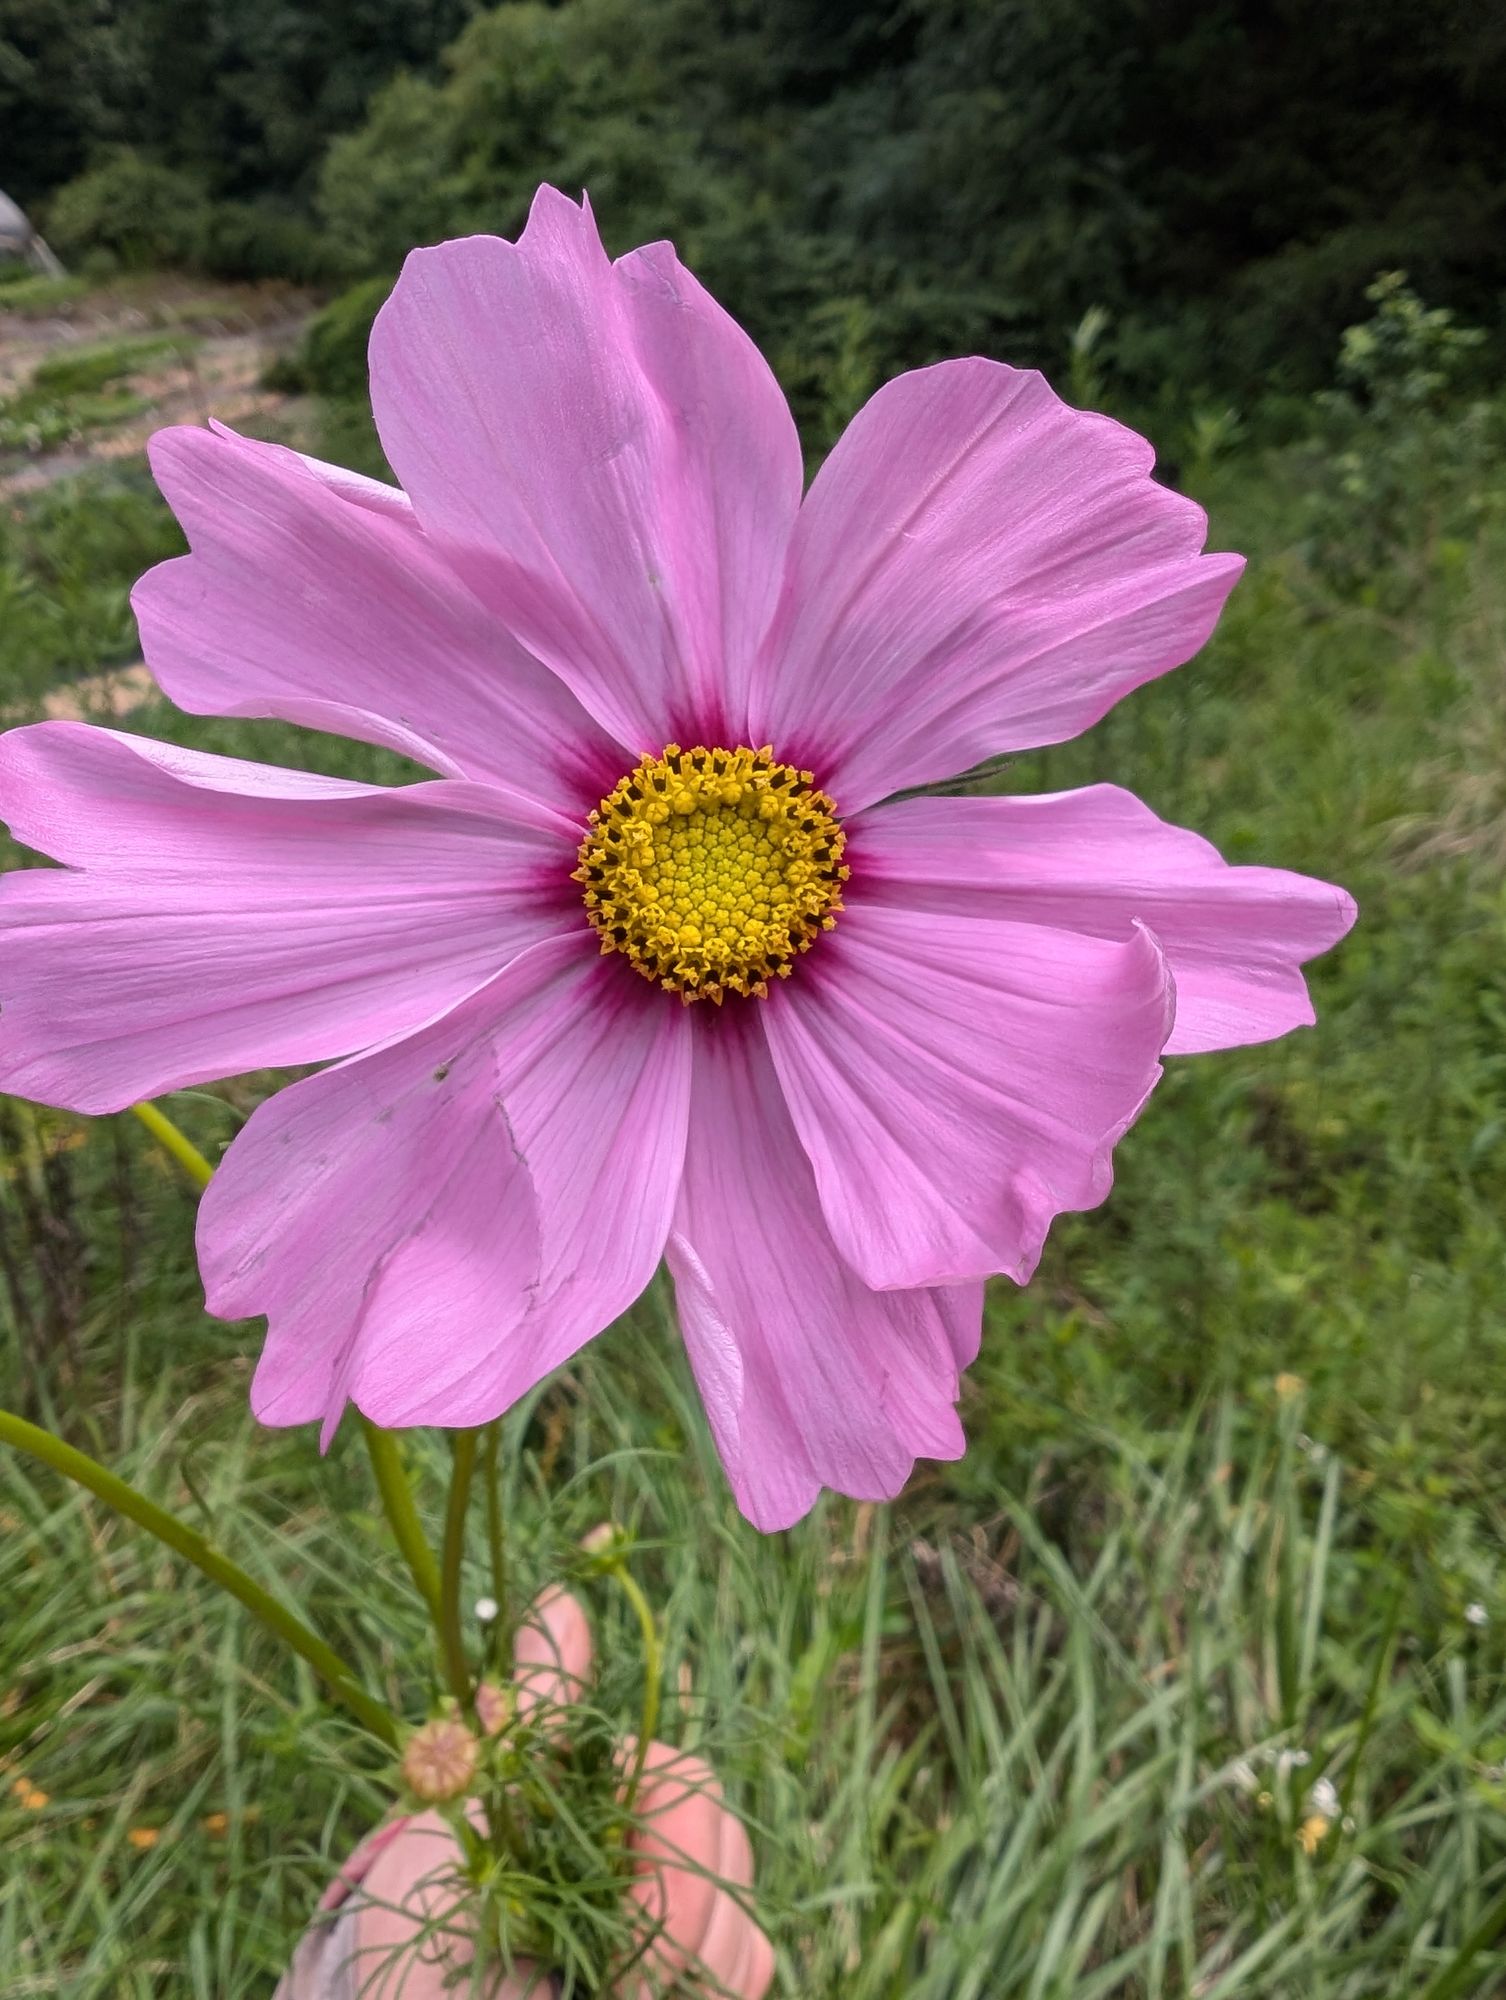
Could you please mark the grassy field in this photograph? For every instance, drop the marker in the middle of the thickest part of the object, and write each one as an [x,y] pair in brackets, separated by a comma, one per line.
[1231,1525]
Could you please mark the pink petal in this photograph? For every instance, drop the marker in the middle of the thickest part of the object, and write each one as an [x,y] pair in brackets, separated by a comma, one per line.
[323,1215]
[605,457]
[218,916]
[809,1378]
[958,1082]
[355,487]
[381,1215]
[596,1075]
[312,595]
[1098,861]
[977,568]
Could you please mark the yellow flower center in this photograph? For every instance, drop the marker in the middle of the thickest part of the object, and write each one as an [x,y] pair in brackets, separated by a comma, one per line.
[712,870]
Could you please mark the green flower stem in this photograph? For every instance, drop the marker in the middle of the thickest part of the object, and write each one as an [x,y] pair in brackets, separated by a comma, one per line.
[396,1491]
[653,1675]
[451,1640]
[386,1455]
[499,1646]
[187,1542]
[183,1150]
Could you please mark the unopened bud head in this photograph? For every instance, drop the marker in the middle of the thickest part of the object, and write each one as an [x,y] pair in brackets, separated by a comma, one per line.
[440,1760]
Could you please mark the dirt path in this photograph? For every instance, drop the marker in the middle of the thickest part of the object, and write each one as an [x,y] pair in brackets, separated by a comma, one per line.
[99,696]
[228,335]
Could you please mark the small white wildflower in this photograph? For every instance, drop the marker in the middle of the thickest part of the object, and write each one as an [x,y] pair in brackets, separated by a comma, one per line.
[1324,1798]
[1288,1761]
[1476,1614]
[486,1610]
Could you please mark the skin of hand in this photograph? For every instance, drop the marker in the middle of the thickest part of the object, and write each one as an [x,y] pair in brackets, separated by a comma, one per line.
[393,1926]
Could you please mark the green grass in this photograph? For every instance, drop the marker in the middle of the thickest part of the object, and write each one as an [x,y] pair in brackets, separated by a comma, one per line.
[82,389]
[1237,1467]
[154,298]
[1005,1761]
[75,371]
[68,558]
[1330,1206]
[36,295]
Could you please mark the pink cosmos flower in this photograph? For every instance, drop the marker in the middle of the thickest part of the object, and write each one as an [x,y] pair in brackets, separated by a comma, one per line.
[920,1023]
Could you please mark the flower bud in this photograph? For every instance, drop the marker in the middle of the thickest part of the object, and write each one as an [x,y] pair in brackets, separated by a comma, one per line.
[440,1760]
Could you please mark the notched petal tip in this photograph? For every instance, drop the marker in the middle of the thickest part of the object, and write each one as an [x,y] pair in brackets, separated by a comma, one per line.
[327,1429]
[1094,861]
[1151,953]
[551,204]
[649,600]
[1071,577]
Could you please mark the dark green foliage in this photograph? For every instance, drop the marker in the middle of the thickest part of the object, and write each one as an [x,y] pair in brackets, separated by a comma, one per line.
[65,74]
[587,94]
[247,239]
[249,95]
[146,214]
[245,97]
[187,131]
[870,186]
[331,357]
[1145,157]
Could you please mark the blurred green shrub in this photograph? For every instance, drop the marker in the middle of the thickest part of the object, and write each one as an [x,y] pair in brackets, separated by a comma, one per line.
[140,211]
[131,212]
[74,371]
[1405,358]
[394,182]
[1398,461]
[242,239]
[582,94]
[330,359]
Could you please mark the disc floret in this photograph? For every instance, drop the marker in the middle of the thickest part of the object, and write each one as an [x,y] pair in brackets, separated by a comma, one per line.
[711,871]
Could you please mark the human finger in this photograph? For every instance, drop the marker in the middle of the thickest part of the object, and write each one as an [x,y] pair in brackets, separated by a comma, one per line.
[690,1855]
[552,1652]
